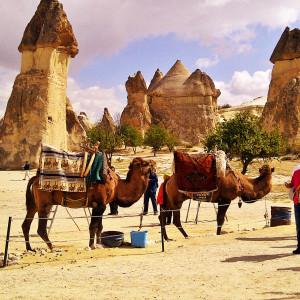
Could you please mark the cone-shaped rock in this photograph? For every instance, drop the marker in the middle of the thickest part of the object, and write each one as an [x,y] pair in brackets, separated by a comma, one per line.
[38,110]
[107,121]
[282,107]
[172,83]
[156,78]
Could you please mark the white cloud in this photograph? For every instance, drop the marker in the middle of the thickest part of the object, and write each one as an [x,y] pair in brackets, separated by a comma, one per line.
[94,99]
[244,87]
[105,27]
[207,62]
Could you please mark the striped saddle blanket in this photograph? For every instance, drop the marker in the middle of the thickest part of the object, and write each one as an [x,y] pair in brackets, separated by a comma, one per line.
[60,170]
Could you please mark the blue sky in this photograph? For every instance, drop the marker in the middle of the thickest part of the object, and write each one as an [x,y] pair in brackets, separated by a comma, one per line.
[230,40]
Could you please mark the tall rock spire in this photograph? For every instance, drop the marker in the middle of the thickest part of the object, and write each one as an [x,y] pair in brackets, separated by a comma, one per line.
[282,107]
[38,110]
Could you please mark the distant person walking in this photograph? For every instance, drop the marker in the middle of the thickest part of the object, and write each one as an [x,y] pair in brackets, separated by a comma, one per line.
[26,167]
[151,193]
[295,183]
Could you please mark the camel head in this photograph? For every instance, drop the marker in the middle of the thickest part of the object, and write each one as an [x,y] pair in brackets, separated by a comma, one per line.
[257,188]
[134,186]
[140,166]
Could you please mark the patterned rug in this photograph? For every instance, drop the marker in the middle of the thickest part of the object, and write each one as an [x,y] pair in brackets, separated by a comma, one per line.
[195,172]
[60,170]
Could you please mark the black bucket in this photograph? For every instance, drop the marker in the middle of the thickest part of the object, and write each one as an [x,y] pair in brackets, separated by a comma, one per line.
[280,216]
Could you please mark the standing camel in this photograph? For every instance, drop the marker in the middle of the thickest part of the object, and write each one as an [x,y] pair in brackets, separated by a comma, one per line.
[233,185]
[124,192]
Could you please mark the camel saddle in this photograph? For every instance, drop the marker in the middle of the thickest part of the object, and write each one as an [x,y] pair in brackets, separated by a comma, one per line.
[195,173]
[62,171]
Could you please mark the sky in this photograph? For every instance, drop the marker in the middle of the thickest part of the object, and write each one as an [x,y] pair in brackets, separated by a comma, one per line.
[230,40]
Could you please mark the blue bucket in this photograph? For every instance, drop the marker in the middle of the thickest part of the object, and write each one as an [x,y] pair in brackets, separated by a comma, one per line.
[138,238]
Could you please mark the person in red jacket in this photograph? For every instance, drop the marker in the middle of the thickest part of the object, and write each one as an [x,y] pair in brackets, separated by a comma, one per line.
[295,183]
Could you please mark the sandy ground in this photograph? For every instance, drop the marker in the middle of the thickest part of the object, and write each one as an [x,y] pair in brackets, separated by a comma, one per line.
[249,261]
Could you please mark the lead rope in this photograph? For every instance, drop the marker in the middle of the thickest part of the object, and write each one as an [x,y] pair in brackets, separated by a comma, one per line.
[266,214]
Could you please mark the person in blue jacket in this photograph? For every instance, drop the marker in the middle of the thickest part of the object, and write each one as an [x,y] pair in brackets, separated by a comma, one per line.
[151,193]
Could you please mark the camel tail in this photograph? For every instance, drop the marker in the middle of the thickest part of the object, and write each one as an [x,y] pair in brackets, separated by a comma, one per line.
[30,203]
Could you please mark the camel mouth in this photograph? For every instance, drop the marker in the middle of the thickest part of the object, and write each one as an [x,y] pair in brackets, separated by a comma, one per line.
[247,199]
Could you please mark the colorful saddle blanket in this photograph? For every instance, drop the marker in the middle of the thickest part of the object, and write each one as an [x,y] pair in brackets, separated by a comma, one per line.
[60,170]
[195,172]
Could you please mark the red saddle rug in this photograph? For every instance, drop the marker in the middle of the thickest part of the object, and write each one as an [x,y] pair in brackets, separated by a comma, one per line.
[195,172]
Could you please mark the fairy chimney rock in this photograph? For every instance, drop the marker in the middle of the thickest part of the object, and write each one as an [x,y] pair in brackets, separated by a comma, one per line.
[156,78]
[38,110]
[85,122]
[185,103]
[107,121]
[136,113]
[282,107]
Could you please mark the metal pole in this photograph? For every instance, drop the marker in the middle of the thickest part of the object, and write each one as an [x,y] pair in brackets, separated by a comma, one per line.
[187,213]
[162,237]
[7,242]
[198,207]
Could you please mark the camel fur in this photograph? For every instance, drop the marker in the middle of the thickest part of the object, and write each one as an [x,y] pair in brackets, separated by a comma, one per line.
[124,192]
[233,185]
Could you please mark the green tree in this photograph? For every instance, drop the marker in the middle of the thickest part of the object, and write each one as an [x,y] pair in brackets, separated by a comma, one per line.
[242,137]
[171,141]
[133,138]
[108,140]
[156,137]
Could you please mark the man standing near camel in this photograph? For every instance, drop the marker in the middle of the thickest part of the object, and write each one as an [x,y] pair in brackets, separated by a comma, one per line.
[295,183]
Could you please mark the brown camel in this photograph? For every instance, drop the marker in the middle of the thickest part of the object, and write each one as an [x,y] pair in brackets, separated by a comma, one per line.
[123,192]
[233,185]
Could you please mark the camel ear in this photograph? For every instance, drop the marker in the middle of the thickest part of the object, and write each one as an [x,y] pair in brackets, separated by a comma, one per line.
[273,169]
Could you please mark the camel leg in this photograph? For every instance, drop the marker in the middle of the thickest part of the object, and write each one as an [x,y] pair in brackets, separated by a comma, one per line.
[26,227]
[222,208]
[42,227]
[162,219]
[97,213]
[100,226]
[177,222]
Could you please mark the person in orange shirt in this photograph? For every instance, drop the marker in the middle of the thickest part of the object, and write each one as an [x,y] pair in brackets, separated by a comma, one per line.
[295,183]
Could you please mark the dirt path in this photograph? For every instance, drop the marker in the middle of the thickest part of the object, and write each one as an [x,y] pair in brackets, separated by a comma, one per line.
[249,262]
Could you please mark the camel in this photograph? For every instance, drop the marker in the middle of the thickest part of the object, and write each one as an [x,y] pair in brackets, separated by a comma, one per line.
[233,185]
[124,192]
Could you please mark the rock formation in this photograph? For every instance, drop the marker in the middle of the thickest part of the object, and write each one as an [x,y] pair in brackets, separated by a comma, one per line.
[282,107]
[184,103]
[255,107]
[85,122]
[38,110]
[107,121]
[137,110]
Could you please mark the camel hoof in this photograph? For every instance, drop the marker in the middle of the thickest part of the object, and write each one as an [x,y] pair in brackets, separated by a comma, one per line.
[170,240]
[89,248]
[189,236]
[99,246]
[31,250]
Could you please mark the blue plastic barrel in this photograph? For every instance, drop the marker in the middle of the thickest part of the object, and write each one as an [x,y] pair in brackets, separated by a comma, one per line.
[280,216]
